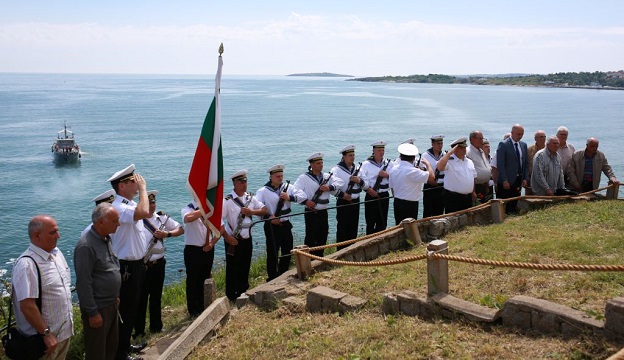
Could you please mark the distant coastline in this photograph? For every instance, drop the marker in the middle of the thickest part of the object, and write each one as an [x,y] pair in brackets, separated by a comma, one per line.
[321,74]
[612,80]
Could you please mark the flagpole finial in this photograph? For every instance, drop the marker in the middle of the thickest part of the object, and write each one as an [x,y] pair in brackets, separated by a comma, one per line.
[220,49]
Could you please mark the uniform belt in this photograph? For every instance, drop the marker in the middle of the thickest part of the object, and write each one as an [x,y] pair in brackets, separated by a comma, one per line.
[322,201]
[131,261]
[149,264]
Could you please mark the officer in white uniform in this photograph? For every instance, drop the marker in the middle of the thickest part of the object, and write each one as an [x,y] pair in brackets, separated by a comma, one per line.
[277,197]
[317,187]
[157,227]
[238,208]
[129,244]
[348,195]
[406,181]
[374,172]
[432,192]
[107,196]
[459,177]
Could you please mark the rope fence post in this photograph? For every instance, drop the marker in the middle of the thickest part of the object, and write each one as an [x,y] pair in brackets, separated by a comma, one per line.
[498,211]
[612,191]
[410,227]
[437,269]
[303,263]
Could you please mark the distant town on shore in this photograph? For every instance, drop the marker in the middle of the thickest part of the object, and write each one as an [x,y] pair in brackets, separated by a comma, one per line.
[593,80]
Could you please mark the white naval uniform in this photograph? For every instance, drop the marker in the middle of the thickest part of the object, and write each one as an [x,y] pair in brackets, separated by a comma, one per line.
[231,211]
[344,174]
[370,171]
[158,221]
[309,183]
[459,175]
[431,159]
[194,231]
[406,181]
[270,196]
[129,240]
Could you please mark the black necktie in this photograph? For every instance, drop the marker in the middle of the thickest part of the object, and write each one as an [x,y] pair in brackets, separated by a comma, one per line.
[518,155]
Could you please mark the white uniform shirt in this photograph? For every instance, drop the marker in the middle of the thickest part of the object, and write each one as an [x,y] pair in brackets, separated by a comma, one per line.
[406,181]
[370,171]
[269,196]
[459,175]
[194,231]
[56,300]
[158,221]
[344,174]
[231,211]
[129,239]
[433,160]
[308,183]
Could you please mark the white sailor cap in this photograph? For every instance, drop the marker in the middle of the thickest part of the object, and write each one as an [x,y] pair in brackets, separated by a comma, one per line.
[437,138]
[239,175]
[486,141]
[347,149]
[151,195]
[106,196]
[379,144]
[276,168]
[409,141]
[122,175]
[461,142]
[315,157]
[408,149]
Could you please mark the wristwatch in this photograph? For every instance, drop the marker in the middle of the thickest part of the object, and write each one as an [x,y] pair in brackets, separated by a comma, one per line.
[168,234]
[46,331]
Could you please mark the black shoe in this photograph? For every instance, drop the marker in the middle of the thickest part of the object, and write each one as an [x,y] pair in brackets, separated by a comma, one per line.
[156,331]
[137,347]
[130,357]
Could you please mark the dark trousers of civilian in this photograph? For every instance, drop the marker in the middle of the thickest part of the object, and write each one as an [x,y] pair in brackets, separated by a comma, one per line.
[132,280]
[101,343]
[237,265]
[432,200]
[316,229]
[198,264]
[514,190]
[347,220]
[454,201]
[376,212]
[404,209]
[152,293]
[279,240]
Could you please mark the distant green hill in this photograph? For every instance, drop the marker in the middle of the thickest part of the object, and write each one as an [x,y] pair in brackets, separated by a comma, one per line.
[323,74]
[593,80]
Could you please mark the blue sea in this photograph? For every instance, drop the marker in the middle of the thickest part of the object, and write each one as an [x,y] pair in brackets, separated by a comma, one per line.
[154,121]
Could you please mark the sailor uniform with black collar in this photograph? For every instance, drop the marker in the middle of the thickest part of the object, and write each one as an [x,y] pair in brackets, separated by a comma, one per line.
[432,194]
[376,208]
[348,212]
[309,183]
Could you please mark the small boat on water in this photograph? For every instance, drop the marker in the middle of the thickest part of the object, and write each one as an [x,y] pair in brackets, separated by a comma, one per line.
[65,148]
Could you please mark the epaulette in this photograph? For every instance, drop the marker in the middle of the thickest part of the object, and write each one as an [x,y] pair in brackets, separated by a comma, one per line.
[228,197]
[125,201]
[161,213]
[452,157]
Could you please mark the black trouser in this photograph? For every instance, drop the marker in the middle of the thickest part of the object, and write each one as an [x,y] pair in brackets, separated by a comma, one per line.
[347,220]
[316,229]
[454,201]
[279,240]
[514,190]
[101,342]
[198,265]
[132,279]
[152,291]
[432,200]
[404,209]
[376,212]
[237,267]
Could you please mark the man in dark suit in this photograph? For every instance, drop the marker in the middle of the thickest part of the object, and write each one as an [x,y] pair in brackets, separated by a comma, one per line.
[513,167]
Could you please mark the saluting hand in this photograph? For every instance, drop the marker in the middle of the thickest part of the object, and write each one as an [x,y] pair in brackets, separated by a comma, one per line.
[140,181]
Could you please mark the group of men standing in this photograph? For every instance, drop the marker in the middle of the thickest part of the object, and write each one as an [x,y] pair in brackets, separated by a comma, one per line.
[119,259]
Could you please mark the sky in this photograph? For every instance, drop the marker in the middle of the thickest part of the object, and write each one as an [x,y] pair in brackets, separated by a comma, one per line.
[275,37]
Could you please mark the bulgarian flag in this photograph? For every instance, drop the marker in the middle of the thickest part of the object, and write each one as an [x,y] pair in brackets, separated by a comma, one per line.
[205,180]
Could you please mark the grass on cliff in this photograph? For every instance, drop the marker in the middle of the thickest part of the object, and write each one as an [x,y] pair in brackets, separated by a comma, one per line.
[587,233]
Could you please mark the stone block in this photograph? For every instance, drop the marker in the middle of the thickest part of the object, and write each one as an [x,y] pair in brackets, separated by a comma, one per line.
[545,322]
[295,303]
[471,311]
[268,295]
[371,252]
[242,301]
[390,304]
[351,303]
[328,299]
[438,228]
[453,223]
[516,316]
[384,246]
[409,303]
[464,219]
[614,314]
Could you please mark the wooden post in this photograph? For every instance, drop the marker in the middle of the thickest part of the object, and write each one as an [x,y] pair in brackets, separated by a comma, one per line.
[612,192]
[498,211]
[410,227]
[210,292]
[437,269]
[304,263]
